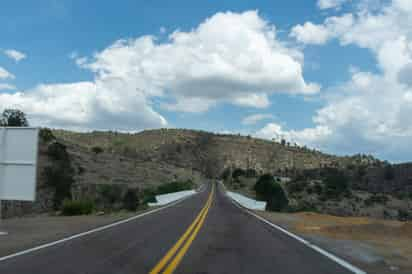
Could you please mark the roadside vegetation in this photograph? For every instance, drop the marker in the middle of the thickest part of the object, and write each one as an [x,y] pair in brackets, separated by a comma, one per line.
[331,190]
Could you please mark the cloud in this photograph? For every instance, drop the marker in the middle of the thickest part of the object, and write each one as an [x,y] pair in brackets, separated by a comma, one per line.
[371,112]
[85,105]
[4,74]
[230,58]
[319,34]
[17,56]
[5,86]
[274,131]
[255,118]
[310,33]
[329,4]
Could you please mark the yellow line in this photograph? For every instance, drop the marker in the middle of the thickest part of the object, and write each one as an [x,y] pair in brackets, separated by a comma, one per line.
[176,261]
[173,250]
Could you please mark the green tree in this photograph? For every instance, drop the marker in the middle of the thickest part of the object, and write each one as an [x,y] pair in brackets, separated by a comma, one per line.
[389,172]
[59,175]
[336,184]
[97,149]
[268,190]
[130,200]
[13,118]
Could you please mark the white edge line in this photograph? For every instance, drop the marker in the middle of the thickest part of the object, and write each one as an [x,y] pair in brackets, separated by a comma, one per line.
[75,236]
[329,255]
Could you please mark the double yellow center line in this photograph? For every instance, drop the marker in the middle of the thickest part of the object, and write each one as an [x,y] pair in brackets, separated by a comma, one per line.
[186,240]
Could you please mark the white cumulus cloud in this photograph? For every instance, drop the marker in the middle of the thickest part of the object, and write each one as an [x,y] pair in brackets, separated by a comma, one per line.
[16,55]
[255,118]
[4,74]
[5,86]
[329,4]
[233,58]
[371,112]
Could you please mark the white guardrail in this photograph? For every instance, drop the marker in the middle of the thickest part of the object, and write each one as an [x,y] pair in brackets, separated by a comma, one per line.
[171,197]
[246,202]
[243,200]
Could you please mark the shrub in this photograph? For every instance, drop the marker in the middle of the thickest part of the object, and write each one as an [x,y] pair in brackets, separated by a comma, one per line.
[376,199]
[149,195]
[268,190]
[318,189]
[403,215]
[46,135]
[97,149]
[250,173]
[80,207]
[226,174]
[336,184]
[174,187]
[130,200]
[59,175]
[389,173]
[294,187]
[57,151]
[237,173]
[110,194]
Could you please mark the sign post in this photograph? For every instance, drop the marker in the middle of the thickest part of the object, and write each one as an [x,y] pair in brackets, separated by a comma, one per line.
[18,164]
[2,141]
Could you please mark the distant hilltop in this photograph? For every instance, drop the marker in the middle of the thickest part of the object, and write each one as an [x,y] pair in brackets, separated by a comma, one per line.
[211,153]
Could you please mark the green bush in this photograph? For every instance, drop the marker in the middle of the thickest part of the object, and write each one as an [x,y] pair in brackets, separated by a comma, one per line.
[389,172]
[174,187]
[268,190]
[376,199]
[59,175]
[295,187]
[150,193]
[110,194]
[80,207]
[336,184]
[149,196]
[46,135]
[250,173]
[237,173]
[97,150]
[403,215]
[226,174]
[130,200]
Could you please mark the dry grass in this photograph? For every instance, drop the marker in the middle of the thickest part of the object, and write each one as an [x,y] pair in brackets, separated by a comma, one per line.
[391,240]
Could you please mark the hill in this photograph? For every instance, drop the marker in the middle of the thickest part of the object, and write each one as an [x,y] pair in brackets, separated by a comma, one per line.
[144,160]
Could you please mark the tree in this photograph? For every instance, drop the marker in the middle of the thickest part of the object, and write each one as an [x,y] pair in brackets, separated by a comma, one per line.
[336,184]
[97,149]
[13,118]
[268,190]
[130,200]
[389,172]
[59,175]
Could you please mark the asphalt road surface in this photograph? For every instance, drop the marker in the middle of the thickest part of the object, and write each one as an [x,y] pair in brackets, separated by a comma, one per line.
[206,233]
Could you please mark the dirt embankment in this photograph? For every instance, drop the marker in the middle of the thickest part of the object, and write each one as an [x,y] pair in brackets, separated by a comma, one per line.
[377,246]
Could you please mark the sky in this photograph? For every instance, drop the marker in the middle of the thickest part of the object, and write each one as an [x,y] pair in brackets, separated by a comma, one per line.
[334,75]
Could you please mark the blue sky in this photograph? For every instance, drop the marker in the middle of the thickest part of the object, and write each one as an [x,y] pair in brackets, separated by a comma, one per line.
[314,72]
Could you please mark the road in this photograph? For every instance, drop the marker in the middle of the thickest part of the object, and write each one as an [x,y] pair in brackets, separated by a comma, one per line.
[221,238]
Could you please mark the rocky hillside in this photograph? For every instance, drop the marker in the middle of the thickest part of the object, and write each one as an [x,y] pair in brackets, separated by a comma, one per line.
[209,153]
[149,158]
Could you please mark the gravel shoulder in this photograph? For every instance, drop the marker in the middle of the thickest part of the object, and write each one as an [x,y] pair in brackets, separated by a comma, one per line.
[376,246]
[28,232]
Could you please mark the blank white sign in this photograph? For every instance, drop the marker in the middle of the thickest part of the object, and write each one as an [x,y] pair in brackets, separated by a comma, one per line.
[18,163]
